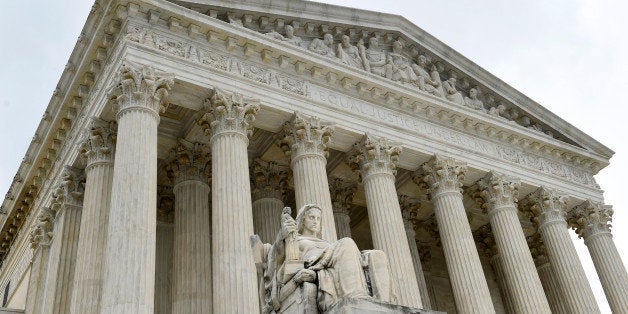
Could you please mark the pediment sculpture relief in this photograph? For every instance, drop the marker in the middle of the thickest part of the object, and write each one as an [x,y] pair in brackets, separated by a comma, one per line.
[302,273]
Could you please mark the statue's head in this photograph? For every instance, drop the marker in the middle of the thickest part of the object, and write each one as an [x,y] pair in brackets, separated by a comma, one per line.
[309,220]
[289,31]
[328,39]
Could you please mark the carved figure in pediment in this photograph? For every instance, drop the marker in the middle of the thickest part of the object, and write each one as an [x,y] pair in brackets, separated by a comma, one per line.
[302,266]
[473,101]
[375,58]
[428,82]
[400,64]
[323,46]
[348,53]
[451,92]
[289,37]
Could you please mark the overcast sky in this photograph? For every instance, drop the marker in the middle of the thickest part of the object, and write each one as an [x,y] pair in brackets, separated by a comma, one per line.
[571,56]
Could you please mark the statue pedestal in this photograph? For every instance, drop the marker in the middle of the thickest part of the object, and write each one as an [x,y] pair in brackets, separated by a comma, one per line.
[366,306]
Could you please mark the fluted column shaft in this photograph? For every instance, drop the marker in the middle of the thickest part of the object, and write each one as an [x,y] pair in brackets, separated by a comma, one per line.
[234,275]
[552,289]
[547,208]
[387,228]
[98,149]
[496,263]
[305,140]
[500,194]
[592,221]
[192,282]
[35,294]
[129,280]
[62,260]
[267,218]
[418,269]
[444,177]
[610,269]
[343,224]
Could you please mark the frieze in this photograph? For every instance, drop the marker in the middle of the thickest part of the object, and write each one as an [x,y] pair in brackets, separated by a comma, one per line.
[268,76]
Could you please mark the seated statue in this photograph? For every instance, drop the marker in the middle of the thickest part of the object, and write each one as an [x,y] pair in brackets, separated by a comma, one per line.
[301,269]
[348,53]
[400,68]
[323,46]
[289,37]
[428,82]
[451,92]
[375,58]
[473,101]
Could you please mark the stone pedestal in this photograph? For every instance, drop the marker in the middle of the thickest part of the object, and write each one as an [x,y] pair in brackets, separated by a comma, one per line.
[375,158]
[67,202]
[190,168]
[98,150]
[268,182]
[358,306]
[341,199]
[40,238]
[500,195]
[228,118]
[592,221]
[444,178]
[129,280]
[305,140]
[546,207]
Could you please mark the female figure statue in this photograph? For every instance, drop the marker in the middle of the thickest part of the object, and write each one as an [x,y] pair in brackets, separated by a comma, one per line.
[300,255]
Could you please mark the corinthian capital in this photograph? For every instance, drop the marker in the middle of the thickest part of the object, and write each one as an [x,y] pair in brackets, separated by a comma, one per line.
[268,180]
[189,161]
[441,174]
[373,155]
[304,135]
[41,234]
[69,191]
[590,218]
[341,194]
[100,142]
[496,191]
[228,112]
[141,87]
[545,206]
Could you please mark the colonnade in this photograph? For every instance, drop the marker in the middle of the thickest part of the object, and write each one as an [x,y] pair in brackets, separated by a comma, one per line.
[212,264]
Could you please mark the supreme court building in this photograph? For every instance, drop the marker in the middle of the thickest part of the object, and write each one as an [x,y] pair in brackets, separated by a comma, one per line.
[181,129]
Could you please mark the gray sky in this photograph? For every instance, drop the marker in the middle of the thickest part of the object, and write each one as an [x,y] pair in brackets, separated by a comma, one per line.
[569,55]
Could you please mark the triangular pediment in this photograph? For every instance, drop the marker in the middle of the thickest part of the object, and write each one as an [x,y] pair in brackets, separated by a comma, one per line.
[474,87]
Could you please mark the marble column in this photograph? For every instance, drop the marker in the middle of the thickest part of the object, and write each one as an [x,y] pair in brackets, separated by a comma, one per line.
[409,211]
[40,238]
[546,207]
[228,119]
[444,178]
[376,159]
[488,248]
[546,274]
[592,222]
[499,194]
[129,279]
[305,140]
[98,149]
[341,198]
[268,181]
[67,203]
[189,167]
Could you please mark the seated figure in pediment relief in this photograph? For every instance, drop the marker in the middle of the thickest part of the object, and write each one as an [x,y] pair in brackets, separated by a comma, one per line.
[451,92]
[289,37]
[303,267]
[375,58]
[348,53]
[400,64]
[428,82]
[473,101]
[323,46]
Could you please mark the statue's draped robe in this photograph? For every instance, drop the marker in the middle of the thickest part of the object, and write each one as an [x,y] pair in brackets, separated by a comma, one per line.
[338,267]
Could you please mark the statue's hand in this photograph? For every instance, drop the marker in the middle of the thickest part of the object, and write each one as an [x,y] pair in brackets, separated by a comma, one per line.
[288,226]
[304,275]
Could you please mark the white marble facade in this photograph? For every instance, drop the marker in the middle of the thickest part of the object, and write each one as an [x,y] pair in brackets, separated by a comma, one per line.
[185,128]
